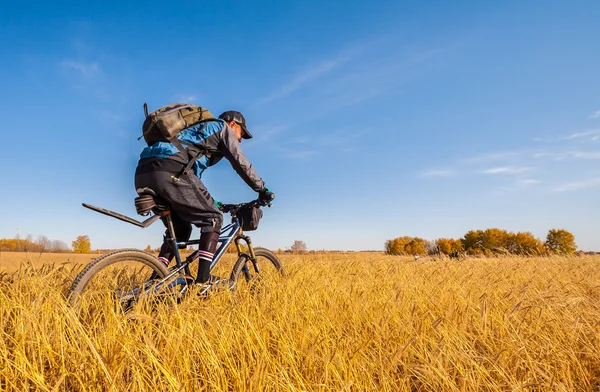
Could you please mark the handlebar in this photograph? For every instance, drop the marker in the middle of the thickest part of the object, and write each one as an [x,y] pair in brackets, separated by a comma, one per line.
[235,208]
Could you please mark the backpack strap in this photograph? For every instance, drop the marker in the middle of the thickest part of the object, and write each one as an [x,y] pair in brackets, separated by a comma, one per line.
[203,152]
[145,114]
[191,159]
[151,125]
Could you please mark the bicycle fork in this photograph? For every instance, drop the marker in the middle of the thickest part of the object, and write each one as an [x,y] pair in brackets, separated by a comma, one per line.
[251,256]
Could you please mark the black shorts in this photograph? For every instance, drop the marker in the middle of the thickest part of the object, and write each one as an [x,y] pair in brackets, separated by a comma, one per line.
[188,197]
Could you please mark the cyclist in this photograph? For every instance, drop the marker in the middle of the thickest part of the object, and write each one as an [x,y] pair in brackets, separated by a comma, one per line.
[165,169]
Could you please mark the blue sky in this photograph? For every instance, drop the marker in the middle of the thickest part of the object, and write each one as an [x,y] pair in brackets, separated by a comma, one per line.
[372,120]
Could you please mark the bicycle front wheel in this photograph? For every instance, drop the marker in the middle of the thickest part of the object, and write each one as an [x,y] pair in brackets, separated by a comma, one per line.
[118,279]
[247,274]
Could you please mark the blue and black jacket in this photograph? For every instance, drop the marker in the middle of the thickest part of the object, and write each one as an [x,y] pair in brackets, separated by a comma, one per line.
[210,141]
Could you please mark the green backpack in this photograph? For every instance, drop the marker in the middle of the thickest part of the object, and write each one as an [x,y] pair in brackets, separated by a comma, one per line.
[164,124]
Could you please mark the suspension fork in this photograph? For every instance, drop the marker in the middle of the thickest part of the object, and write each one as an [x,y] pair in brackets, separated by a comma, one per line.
[249,255]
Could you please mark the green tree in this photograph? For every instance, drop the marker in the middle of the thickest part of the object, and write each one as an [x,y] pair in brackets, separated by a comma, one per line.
[82,244]
[560,241]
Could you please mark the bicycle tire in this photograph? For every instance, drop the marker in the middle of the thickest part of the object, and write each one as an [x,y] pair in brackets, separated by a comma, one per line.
[101,263]
[238,276]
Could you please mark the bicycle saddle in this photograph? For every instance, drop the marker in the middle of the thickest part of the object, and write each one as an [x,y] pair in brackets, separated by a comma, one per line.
[145,191]
[148,200]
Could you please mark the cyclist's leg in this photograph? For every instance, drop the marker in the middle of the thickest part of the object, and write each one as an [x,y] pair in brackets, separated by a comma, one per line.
[206,251]
[157,174]
[205,214]
[192,202]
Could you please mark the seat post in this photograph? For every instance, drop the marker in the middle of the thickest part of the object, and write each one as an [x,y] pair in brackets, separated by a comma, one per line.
[172,239]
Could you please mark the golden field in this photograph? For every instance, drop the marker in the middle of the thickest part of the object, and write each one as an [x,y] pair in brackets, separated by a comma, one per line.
[12,261]
[338,322]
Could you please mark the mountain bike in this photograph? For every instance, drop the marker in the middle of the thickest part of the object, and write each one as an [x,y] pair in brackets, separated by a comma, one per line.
[125,276]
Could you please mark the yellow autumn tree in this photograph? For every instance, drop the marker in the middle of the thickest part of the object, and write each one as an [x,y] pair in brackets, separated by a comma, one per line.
[456,245]
[82,244]
[449,245]
[473,241]
[494,240]
[406,246]
[416,246]
[444,245]
[524,243]
[560,241]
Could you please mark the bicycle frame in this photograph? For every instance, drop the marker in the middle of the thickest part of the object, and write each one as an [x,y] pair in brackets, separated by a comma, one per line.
[230,233]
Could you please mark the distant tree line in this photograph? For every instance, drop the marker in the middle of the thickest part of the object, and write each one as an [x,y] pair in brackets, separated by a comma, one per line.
[487,242]
[42,244]
[28,244]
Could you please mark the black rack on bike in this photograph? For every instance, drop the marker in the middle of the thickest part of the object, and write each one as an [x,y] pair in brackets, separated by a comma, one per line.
[122,217]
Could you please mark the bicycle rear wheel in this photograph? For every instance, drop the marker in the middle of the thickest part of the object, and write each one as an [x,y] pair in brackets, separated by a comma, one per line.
[247,275]
[117,279]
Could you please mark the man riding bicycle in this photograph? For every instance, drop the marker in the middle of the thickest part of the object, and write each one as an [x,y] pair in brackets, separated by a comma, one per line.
[174,178]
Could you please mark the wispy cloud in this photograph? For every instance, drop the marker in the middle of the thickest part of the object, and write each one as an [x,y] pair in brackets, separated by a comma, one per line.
[585,154]
[438,173]
[358,73]
[593,134]
[351,76]
[528,181]
[547,167]
[541,155]
[558,155]
[372,76]
[310,74]
[186,98]
[95,73]
[574,186]
[493,156]
[85,69]
[594,115]
[265,133]
[89,78]
[506,170]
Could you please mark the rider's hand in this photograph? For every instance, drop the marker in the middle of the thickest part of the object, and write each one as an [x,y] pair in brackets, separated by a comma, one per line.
[219,205]
[266,195]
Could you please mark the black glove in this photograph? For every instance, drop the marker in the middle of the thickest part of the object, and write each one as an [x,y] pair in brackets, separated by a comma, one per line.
[266,195]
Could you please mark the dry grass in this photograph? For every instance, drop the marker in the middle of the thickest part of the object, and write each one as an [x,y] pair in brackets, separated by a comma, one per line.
[337,323]
[12,261]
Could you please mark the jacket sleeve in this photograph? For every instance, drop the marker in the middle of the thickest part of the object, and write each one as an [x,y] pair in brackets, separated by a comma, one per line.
[230,148]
